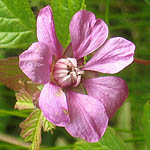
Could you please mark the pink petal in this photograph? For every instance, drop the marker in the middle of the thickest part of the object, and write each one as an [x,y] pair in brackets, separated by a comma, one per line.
[53,104]
[87,33]
[46,31]
[111,91]
[35,62]
[88,118]
[116,54]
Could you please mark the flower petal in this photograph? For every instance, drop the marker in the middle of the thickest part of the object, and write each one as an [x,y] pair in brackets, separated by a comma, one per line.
[88,118]
[111,91]
[46,31]
[35,62]
[87,33]
[116,54]
[53,104]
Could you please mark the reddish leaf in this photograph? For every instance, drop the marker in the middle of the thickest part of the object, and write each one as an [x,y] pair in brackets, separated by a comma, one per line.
[31,129]
[24,100]
[11,75]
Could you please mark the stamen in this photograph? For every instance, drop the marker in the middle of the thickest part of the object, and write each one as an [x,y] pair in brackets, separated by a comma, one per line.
[66,73]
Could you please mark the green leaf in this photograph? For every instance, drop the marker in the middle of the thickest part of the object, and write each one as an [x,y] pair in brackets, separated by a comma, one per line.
[47,126]
[146,122]
[148,2]
[31,129]
[24,100]
[112,140]
[90,146]
[124,122]
[17,24]
[63,11]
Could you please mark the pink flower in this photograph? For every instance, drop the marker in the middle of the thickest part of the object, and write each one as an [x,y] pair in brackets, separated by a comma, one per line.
[66,78]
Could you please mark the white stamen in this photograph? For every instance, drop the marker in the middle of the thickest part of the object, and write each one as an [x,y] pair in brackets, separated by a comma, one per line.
[66,73]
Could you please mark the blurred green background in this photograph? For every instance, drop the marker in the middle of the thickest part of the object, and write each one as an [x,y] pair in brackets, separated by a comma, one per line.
[126,18]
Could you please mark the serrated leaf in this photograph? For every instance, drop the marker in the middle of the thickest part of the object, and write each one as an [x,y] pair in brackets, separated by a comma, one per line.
[89,146]
[17,24]
[146,123]
[63,11]
[11,75]
[24,100]
[31,129]
[47,126]
[112,140]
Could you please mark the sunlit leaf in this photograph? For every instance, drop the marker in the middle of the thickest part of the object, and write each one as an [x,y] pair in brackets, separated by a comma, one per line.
[31,129]
[146,123]
[112,140]
[47,126]
[17,24]
[63,11]
[89,146]
[24,100]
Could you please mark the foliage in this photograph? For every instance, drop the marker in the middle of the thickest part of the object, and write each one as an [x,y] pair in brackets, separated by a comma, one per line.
[11,75]
[146,122]
[130,129]
[64,10]
[24,100]
[17,27]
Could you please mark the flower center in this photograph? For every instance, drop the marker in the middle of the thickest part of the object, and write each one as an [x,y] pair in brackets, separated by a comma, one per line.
[66,72]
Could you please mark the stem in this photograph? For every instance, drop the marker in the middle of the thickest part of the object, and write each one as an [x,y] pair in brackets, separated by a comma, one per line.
[140,139]
[12,113]
[142,61]
[129,25]
[107,12]
[13,140]
[128,131]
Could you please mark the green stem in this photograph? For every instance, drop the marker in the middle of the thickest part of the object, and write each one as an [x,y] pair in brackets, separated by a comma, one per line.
[139,139]
[128,131]
[107,12]
[12,113]
[130,25]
